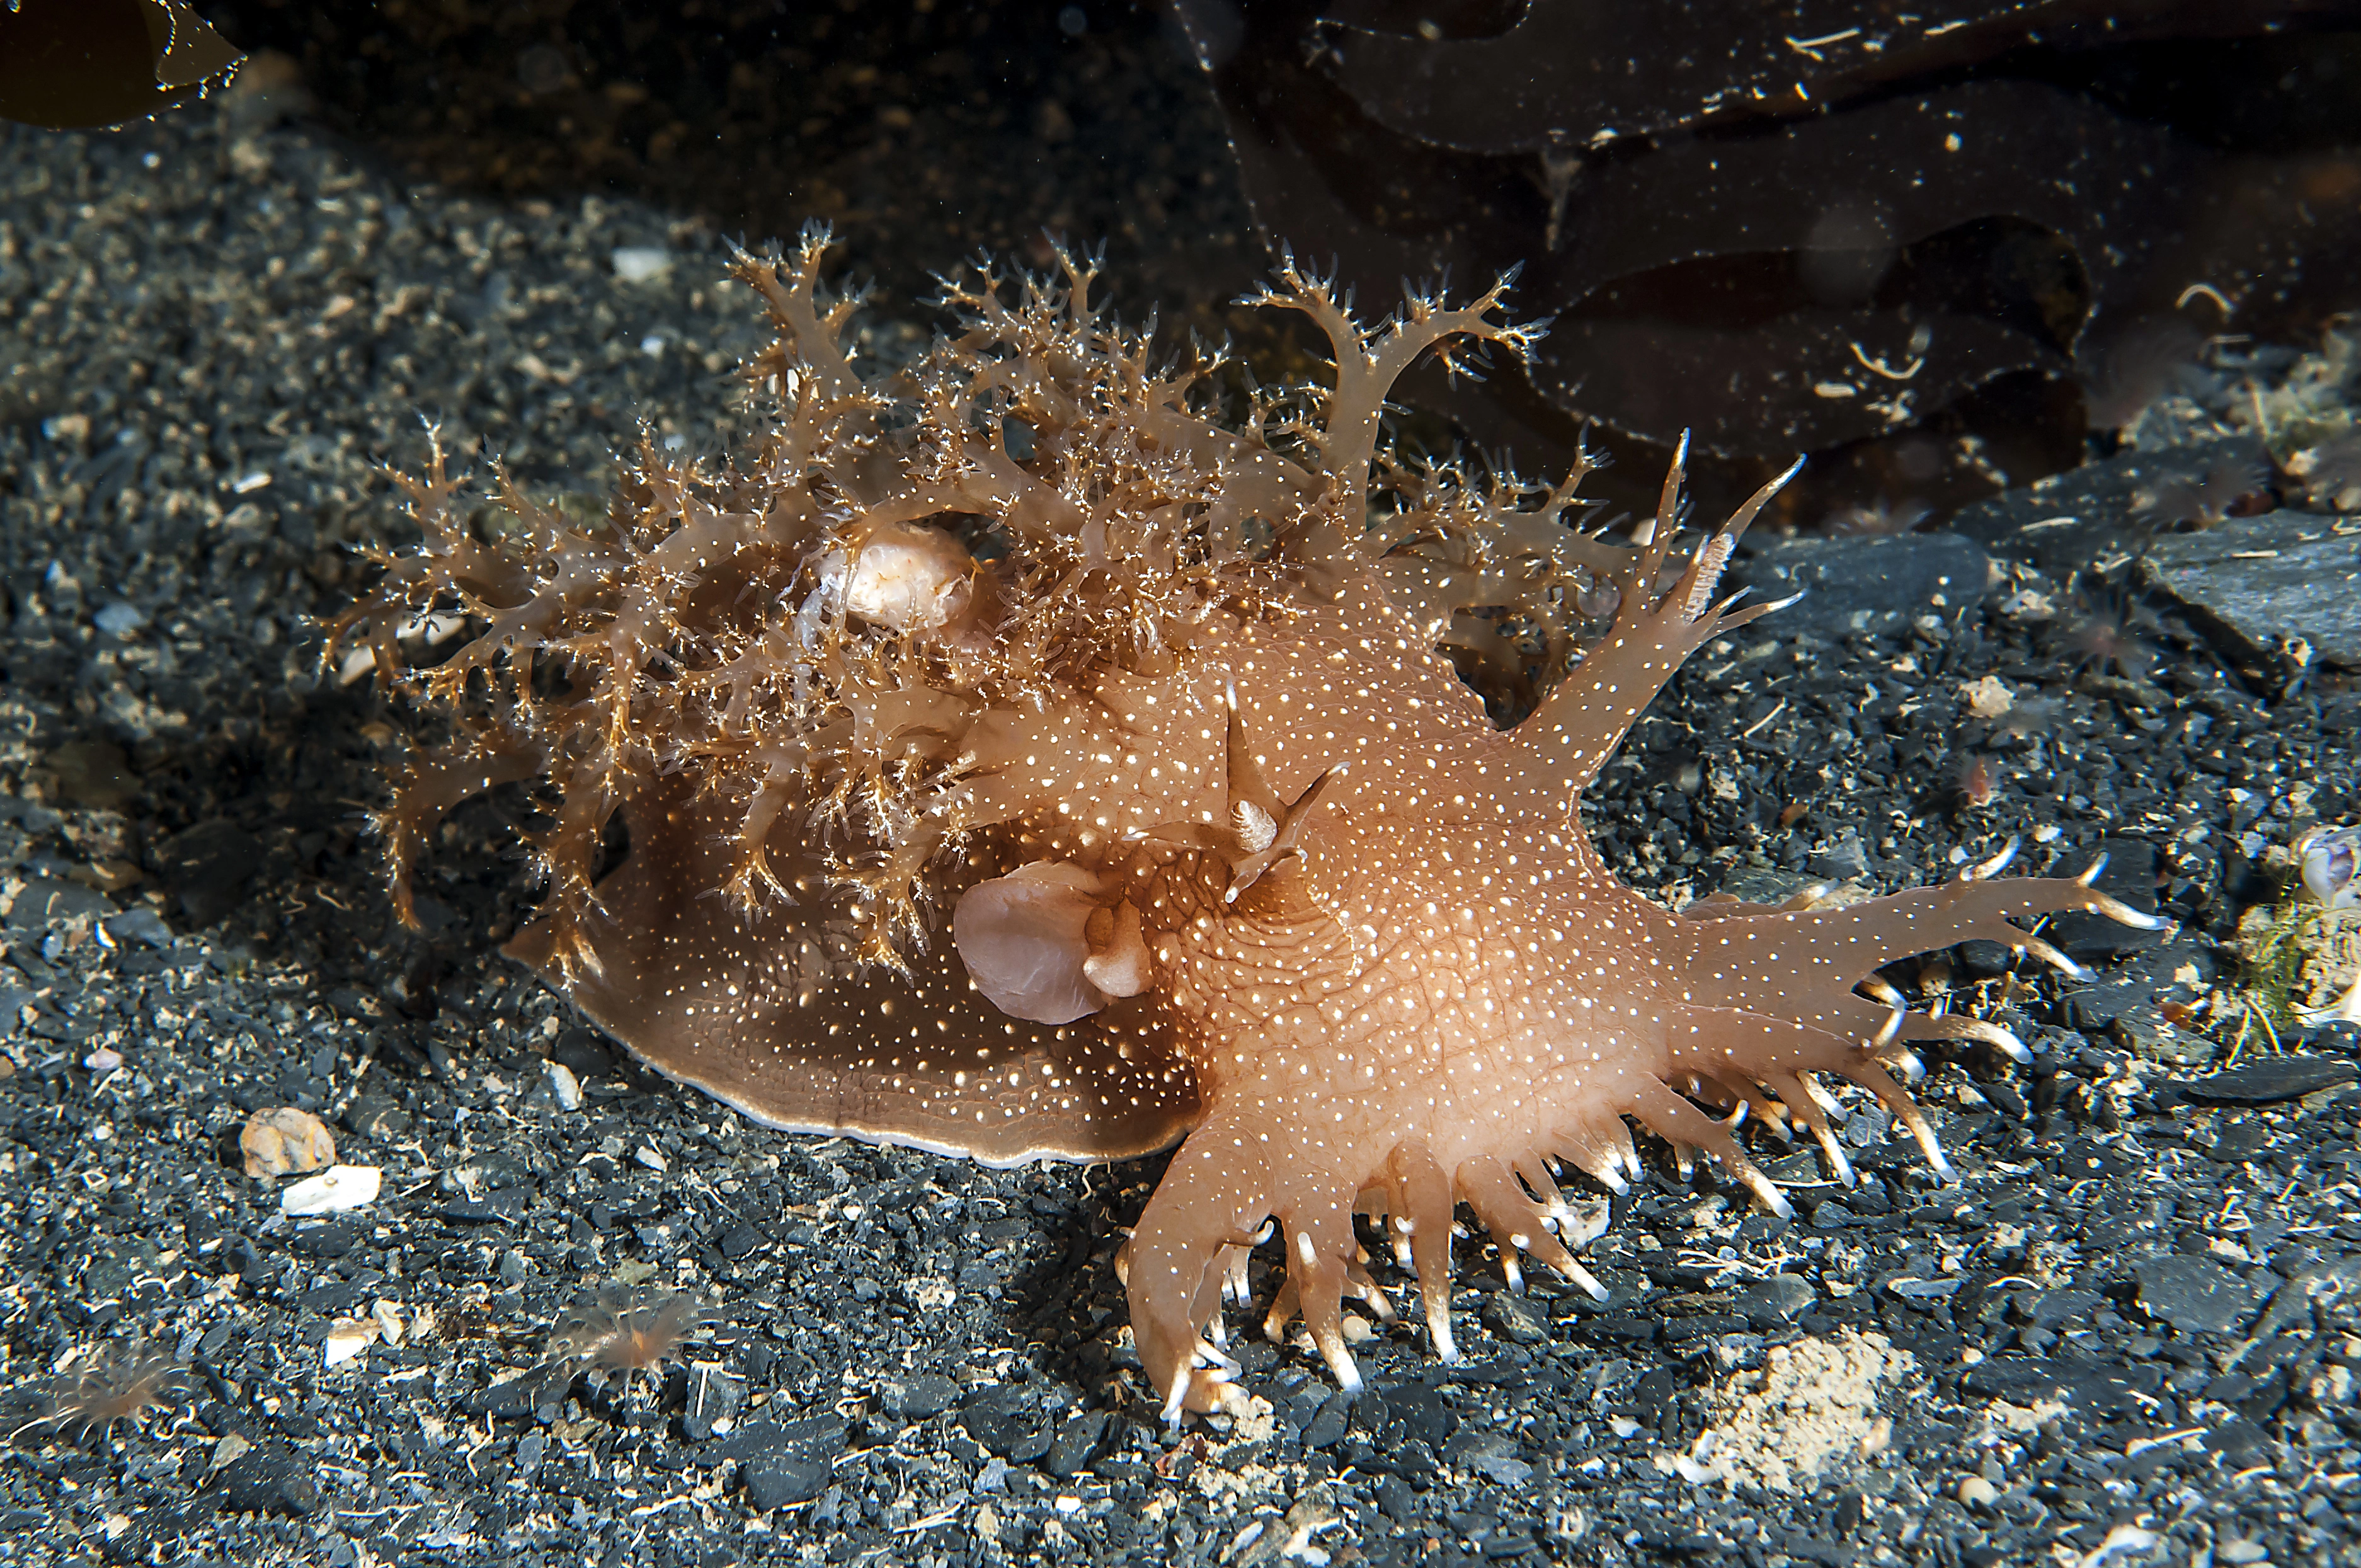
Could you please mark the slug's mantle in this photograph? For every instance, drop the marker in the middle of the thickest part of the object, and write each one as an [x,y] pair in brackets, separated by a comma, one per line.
[1023,754]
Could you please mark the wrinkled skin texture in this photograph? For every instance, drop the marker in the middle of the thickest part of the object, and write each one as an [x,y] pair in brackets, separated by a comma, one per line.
[1164,725]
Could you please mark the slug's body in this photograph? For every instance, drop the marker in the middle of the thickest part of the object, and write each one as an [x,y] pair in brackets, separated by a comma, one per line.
[1018,759]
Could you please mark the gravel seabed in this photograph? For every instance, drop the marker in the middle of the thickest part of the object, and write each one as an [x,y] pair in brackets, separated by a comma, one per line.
[2128,1334]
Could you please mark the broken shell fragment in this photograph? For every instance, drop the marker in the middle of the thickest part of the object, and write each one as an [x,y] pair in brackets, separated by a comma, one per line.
[284,1141]
[910,579]
[347,1338]
[332,1191]
[2325,860]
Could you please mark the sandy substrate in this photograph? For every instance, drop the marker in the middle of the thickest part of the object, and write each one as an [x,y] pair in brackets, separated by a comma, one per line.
[2128,1334]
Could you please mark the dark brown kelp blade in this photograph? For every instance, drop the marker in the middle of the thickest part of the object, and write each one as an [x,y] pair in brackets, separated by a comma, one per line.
[74,64]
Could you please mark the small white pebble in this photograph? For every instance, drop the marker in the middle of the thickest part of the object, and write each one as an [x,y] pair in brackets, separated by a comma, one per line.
[118,619]
[640,263]
[1978,1493]
[563,1087]
[2123,1541]
[107,1059]
[649,1158]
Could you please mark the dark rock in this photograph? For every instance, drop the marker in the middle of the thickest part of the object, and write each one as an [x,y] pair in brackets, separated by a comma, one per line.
[2258,584]
[323,1241]
[2055,1309]
[2195,1295]
[209,866]
[2238,1442]
[1489,1453]
[778,1483]
[2065,522]
[143,926]
[1416,1412]
[1774,1300]
[782,1463]
[582,1053]
[375,1117]
[1865,584]
[1515,1318]
[1329,1423]
[46,901]
[1010,1424]
[2338,1035]
[95,773]
[2092,1391]
[2083,1158]
[714,1396]
[1844,860]
[522,1395]
[918,1396]
[2003,1098]
[269,1479]
[2149,1035]
[503,1208]
[1986,960]
[2268,1080]
[2240,1141]
[1078,1442]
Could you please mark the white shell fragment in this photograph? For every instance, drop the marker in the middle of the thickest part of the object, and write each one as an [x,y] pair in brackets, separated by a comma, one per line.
[347,1338]
[334,1191]
[2327,859]
[910,579]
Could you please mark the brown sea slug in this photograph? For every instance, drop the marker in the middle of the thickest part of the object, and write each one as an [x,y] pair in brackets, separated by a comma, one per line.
[1018,758]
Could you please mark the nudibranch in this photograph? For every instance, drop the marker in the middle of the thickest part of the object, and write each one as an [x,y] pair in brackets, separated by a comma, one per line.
[1045,749]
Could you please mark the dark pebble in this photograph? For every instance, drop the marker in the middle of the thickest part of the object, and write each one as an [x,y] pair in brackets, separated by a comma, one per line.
[209,866]
[2195,1295]
[1006,1423]
[785,1462]
[1330,1422]
[1858,584]
[1515,1318]
[777,1482]
[268,1480]
[919,1396]
[46,900]
[2267,1080]
[1772,1301]
[1078,1442]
